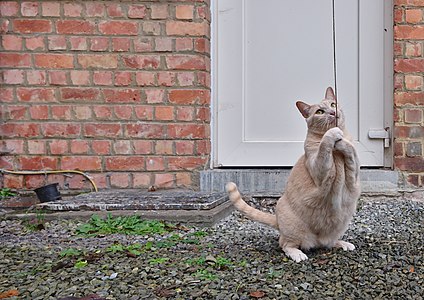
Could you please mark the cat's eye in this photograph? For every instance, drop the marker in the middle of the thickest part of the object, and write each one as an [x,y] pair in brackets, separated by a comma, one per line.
[319,112]
[333,105]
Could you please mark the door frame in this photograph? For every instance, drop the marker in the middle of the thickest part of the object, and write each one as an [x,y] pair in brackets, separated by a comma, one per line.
[387,81]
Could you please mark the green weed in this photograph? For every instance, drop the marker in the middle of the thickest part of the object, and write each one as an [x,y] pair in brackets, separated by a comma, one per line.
[158,261]
[6,193]
[71,252]
[205,274]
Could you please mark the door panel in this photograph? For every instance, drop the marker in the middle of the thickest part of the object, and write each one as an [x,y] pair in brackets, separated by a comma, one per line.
[271,53]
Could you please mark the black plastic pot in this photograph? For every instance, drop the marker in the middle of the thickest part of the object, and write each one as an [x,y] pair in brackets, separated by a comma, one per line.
[48,193]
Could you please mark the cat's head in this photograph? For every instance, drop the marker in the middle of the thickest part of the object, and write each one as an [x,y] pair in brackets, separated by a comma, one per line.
[322,116]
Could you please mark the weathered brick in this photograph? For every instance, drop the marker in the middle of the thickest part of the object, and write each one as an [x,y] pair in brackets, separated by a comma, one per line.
[166,78]
[185,113]
[82,112]
[114,10]
[413,82]
[79,147]
[184,44]
[11,42]
[38,163]
[36,147]
[79,94]
[95,9]
[122,147]
[54,61]
[188,96]
[118,27]
[409,65]
[185,163]
[6,94]
[407,32]
[410,164]
[99,44]
[154,96]
[50,9]
[58,147]
[120,180]
[72,9]
[36,77]
[184,12]
[78,43]
[413,116]
[187,28]
[414,149]
[9,8]
[202,45]
[186,79]
[61,112]
[80,77]
[56,42]
[13,182]
[183,179]
[164,113]
[141,61]
[32,26]
[102,130]
[145,78]
[57,77]
[151,28]
[13,76]
[136,11]
[36,94]
[413,49]
[98,61]
[164,147]
[146,131]
[163,44]
[144,44]
[186,62]
[102,77]
[17,112]
[102,112]
[409,98]
[142,147]
[15,60]
[141,180]
[35,43]
[123,112]
[29,9]
[124,163]
[123,78]
[159,11]
[68,130]
[414,15]
[184,147]
[165,180]
[413,132]
[39,112]
[121,95]
[101,147]
[83,163]
[203,114]
[203,147]
[12,146]
[144,112]
[155,163]
[187,131]
[121,44]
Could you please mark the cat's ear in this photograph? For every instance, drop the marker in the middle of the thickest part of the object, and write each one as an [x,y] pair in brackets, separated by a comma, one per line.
[329,94]
[303,108]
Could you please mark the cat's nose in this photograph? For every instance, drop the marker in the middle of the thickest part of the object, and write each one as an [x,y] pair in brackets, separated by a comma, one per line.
[333,113]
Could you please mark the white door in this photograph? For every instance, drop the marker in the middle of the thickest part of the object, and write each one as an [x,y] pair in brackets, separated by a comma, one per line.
[270,53]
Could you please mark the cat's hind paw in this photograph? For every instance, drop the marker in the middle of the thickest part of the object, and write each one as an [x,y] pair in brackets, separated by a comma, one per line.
[346,246]
[295,254]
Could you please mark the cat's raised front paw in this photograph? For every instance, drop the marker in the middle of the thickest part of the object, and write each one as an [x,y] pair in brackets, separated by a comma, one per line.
[335,134]
[346,246]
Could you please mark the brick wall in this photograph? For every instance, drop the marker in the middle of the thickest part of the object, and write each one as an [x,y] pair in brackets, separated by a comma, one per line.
[120,90]
[409,89]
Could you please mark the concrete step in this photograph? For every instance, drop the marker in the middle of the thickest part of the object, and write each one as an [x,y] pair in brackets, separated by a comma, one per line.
[273,181]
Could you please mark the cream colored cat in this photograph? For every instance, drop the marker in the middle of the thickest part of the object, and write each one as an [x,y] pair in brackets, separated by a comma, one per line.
[322,189]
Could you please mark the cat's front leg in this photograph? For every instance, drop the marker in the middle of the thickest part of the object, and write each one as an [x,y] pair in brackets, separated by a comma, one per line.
[351,161]
[346,246]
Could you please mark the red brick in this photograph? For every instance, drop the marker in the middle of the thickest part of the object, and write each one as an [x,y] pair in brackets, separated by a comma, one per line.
[78,43]
[413,116]
[143,44]
[183,179]
[154,96]
[187,131]
[101,61]
[163,44]
[15,60]
[102,112]
[80,77]
[35,43]
[50,9]
[414,15]
[4,26]
[114,10]
[13,182]
[12,146]
[72,9]
[36,77]
[413,179]
[120,180]
[203,114]
[38,163]
[75,27]
[95,9]
[82,112]
[123,112]
[99,44]
[13,76]
[62,112]
[166,78]
[164,180]
[29,9]
[36,94]
[186,163]
[202,45]
[409,65]
[6,162]
[102,130]
[118,27]
[136,11]
[79,94]
[151,28]
[102,78]
[142,147]
[184,44]
[413,49]
[9,8]
[121,95]
[79,147]
[186,62]
[164,113]
[124,163]
[123,78]
[203,147]
[408,2]
[188,97]
[83,163]
[101,147]
[146,131]
[54,61]
[187,28]
[185,113]
[398,149]
[186,79]
[32,26]
[203,12]
[57,78]
[184,147]
[77,182]
[121,44]
[144,112]
[155,164]
[410,164]
[39,112]
[141,61]
[56,42]
[122,147]
[159,11]
[164,147]
[68,130]
[17,112]
[141,180]
[12,42]
[6,94]
[407,32]
[145,78]
[409,132]
[414,82]
[58,147]
[409,98]
[36,147]
[184,12]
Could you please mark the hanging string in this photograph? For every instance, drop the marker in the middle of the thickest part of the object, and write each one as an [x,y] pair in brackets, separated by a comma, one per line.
[334,56]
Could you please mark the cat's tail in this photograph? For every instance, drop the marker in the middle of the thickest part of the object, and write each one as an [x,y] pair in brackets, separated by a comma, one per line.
[249,211]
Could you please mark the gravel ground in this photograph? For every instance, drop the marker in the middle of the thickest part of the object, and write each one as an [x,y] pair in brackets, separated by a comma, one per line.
[235,259]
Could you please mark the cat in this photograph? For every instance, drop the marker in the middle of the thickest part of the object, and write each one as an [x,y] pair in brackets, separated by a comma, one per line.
[322,189]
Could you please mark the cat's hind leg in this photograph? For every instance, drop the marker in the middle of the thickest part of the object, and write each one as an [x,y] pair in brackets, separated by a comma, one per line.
[346,246]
